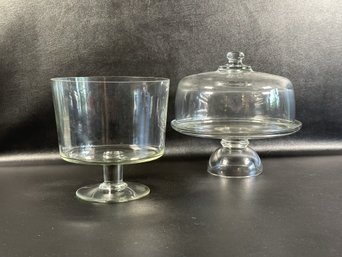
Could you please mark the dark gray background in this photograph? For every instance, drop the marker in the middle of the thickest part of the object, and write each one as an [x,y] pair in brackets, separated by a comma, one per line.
[301,40]
[292,209]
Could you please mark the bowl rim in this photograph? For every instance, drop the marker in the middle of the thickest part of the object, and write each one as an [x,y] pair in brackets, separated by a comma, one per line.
[110,79]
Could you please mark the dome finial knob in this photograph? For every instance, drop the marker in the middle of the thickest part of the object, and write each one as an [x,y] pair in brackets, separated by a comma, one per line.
[235,57]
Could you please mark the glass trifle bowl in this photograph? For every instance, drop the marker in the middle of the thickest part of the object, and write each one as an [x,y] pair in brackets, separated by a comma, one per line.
[235,104]
[111,121]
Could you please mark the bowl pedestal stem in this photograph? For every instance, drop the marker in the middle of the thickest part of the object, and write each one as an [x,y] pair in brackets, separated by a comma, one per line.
[113,189]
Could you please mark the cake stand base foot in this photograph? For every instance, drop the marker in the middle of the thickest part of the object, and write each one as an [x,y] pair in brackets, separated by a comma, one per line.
[235,160]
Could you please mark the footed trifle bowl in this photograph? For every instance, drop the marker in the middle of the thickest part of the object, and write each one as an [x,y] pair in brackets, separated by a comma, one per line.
[111,121]
[235,104]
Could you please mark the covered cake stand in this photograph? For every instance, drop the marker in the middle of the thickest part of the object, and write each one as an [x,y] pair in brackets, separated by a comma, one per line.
[235,104]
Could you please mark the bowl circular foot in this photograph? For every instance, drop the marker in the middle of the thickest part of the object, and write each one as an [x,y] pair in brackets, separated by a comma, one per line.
[112,193]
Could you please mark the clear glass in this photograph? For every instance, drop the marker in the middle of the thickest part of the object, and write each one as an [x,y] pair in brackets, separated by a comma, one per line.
[235,104]
[111,121]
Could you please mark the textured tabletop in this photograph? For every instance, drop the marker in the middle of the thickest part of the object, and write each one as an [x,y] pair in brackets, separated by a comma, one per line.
[293,209]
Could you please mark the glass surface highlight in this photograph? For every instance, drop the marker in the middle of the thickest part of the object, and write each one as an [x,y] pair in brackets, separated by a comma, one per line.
[111,121]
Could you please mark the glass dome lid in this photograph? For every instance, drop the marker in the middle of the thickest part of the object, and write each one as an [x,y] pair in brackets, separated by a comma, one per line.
[235,102]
